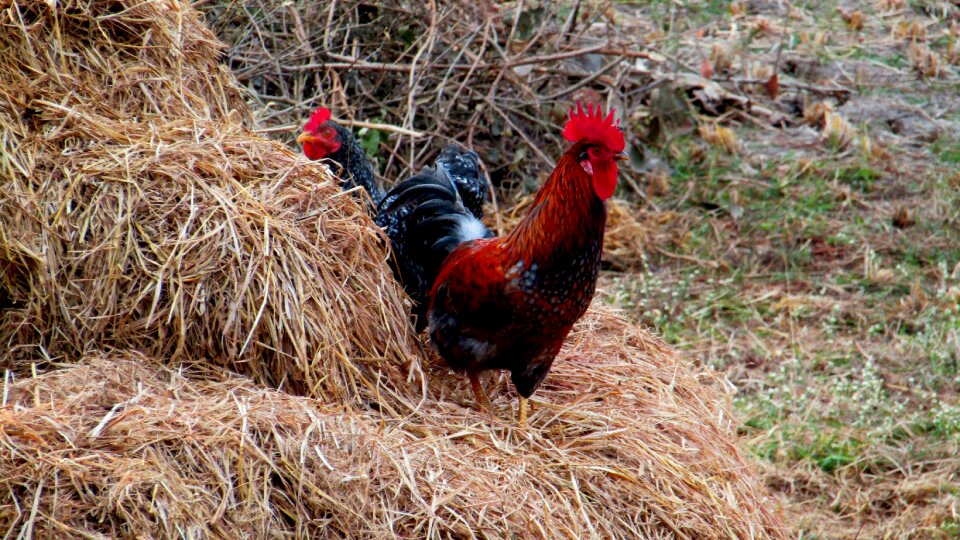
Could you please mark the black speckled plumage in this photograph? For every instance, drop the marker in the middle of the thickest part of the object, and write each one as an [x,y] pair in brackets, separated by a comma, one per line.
[358,171]
[425,218]
[464,169]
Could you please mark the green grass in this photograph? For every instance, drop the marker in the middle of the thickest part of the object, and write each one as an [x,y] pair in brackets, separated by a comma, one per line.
[951,528]
[840,320]
[947,150]
[894,60]
[861,177]
[370,140]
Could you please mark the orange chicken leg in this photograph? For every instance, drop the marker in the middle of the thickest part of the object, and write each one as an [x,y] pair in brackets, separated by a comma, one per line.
[482,398]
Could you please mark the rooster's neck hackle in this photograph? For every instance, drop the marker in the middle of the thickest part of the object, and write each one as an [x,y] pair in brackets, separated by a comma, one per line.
[566,215]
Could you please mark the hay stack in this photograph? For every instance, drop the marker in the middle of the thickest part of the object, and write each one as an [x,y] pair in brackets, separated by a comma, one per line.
[627,445]
[147,217]
[139,213]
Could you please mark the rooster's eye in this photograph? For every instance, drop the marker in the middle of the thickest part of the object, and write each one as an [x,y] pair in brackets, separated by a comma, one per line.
[584,156]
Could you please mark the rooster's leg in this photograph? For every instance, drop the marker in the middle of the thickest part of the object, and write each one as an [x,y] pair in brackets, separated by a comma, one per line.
[478,391]
[522,413]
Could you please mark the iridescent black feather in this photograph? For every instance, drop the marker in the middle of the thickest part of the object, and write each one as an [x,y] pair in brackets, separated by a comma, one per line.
[464,168]
[357,169]
[425,218]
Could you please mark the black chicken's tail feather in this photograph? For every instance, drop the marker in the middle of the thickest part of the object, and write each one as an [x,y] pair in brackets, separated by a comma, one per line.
[463,166]
[425,219]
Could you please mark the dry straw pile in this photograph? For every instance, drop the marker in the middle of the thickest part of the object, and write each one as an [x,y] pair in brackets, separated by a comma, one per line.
[139,213]
[626,444]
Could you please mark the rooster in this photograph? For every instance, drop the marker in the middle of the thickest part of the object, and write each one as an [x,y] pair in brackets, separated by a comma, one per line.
[509,302]
[428,215]
[322,138]
[455,176]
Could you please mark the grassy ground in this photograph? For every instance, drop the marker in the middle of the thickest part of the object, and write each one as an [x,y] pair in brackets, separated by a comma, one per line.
[819,265]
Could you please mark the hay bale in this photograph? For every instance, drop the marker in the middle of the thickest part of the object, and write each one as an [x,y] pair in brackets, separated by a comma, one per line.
[627,444]
[148,217]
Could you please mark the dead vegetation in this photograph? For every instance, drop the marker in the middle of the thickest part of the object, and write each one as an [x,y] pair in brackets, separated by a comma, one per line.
[627,445]
[497,78]
[155,220]
[788,220]
[152,244]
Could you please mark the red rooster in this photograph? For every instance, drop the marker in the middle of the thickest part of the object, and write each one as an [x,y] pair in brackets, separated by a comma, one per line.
[509,302]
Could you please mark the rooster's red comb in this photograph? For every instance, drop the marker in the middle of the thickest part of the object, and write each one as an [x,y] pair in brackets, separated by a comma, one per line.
[592,127]
[317,119]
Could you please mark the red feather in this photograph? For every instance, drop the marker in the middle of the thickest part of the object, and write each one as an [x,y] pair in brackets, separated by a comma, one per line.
[706,70]
[773,86]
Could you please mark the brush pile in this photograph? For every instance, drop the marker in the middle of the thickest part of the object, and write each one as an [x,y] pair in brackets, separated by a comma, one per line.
[499,77]
[201,337]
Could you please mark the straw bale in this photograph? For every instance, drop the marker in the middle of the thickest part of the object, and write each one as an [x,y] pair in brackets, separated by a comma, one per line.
[139,212]
[627,444]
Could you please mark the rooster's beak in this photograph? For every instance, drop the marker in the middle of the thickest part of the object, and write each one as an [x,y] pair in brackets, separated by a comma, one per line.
[305,138]
[622,156]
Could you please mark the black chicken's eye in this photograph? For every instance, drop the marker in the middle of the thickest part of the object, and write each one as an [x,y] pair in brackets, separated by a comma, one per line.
[584,155]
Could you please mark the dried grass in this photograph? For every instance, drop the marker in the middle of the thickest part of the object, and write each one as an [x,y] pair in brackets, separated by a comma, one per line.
[815,113]
[926,63]
[720,137]
[153,219]
[853,19]
[914,31]
[497,77]
[150,218]
[627,444]
[837,130]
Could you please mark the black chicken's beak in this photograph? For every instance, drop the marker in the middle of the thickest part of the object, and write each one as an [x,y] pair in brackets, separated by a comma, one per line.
[305,138]
[622,156]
